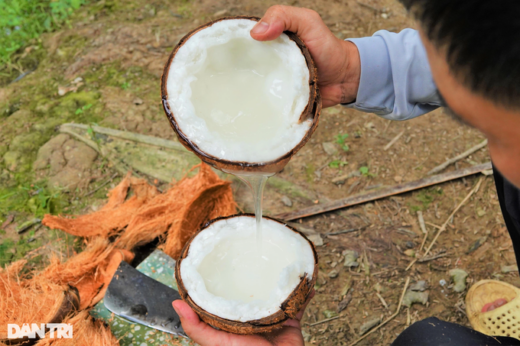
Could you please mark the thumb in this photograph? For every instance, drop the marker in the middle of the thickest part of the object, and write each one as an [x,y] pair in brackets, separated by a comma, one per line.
[281,18]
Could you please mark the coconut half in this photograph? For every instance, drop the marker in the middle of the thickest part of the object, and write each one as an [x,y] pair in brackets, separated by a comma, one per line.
[240,104]
[236,286]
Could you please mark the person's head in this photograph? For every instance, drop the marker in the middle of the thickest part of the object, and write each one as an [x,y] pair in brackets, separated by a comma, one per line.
[473,47]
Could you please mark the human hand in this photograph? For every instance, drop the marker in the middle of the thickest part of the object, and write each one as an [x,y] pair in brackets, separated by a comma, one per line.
[203,334]
[337,60]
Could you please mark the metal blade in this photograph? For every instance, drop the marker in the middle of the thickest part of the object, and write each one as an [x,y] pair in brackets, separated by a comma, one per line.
[139,298]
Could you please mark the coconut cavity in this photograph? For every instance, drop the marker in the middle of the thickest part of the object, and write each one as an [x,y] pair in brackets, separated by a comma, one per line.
[236,98]
[225,275]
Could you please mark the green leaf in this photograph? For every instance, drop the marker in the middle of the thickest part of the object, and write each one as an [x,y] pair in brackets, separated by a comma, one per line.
[337,164]
[345,147]
[363,170]
[340,139]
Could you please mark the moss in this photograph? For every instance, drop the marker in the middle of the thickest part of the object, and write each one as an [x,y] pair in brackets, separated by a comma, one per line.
[425,197]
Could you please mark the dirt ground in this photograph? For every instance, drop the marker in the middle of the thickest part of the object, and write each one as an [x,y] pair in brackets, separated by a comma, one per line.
[118,49]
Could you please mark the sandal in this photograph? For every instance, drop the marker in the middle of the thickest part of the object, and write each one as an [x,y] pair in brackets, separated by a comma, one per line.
[503,320]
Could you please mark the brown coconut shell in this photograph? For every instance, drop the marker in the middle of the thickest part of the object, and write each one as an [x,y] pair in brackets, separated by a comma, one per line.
[70,302]
[312,111]
[288,309]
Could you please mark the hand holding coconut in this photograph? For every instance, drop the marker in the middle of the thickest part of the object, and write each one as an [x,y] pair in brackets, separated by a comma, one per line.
[203,334]
[337,60]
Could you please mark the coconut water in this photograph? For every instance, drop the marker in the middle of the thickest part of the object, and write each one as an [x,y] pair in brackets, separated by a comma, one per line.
[234,271]
[242,101]
[257,184]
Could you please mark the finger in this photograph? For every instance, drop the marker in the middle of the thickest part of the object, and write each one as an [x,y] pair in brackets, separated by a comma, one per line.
[280,18]
[205,335]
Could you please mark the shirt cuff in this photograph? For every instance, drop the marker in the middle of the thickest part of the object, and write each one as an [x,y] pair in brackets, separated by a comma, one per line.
[376,89]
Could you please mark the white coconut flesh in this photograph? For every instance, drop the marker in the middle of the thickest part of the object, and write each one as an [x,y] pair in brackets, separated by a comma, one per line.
[228,275]
[236,98]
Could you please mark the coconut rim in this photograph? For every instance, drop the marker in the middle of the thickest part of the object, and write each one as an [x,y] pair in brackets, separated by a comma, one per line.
[312,109]
[264,324]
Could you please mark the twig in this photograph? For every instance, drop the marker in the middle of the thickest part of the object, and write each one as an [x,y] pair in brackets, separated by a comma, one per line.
[136,137]
[432,224]
[347,231]
[396,138]
[382,300]
[100,186]
[28,224]
[389,318]
[431,258]
[421,221]
[326,320]
[383,193]
[458,157]
[423,229]
[443,227]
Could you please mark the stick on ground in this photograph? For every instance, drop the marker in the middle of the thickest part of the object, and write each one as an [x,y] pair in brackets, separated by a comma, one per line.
[458,157]
[389,318]
[443,227]
[383,193]
[392,142]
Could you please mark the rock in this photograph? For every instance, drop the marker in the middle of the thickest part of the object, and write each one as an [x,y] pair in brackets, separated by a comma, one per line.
[46,150]
[459,278]
[137,101]
[78,155]
[334,264]
[350,258]
[333,274]
[67,161]
[316,239]
[220,13]
[478,243]
[286,201]
[411,297]
[409,244]
[419,286]
[329,148]
[409,253]
[509,269]
[369,325]
[330,313]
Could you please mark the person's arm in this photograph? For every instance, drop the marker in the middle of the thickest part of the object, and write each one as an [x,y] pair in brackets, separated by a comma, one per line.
[396,81]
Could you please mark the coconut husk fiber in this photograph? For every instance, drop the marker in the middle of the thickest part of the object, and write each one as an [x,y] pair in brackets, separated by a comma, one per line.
[86,332]
[89,272]
[32,301]
[173,216]
[113,216]
[179,213]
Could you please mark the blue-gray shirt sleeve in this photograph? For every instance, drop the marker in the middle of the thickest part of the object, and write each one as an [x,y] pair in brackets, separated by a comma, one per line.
[396,81]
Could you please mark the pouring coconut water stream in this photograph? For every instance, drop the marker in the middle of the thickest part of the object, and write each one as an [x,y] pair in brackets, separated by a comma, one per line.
[244,107]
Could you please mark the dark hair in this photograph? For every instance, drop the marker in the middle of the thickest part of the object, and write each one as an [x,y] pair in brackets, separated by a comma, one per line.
[481,39]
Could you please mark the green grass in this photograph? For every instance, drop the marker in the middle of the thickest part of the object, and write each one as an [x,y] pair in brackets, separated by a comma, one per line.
[22,21]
